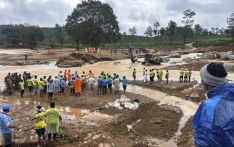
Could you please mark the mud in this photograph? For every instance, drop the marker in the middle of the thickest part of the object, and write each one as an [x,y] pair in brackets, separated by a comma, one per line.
[64,57]
[186,139]
[183,90]
[194,66]
[220,48]
[86,116]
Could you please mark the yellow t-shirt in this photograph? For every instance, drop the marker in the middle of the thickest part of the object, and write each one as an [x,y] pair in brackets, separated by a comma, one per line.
[30,82]
[40,123]
[41,85]
[21,85]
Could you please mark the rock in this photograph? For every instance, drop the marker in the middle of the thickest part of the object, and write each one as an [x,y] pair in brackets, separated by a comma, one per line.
[230,57]
[115,63]
[92,62]
[176,55]
[224,55]
[166,59]
[210,55]
[158,122]
[188,60]
[20,63]
[194,96]
[173,62]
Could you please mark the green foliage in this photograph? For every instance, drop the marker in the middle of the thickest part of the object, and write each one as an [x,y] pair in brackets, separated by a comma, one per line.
[93,23]
[21,35]
[59,35]
[172,26]
[213,41]
[230,22]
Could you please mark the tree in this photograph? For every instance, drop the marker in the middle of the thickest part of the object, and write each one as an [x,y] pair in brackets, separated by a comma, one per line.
[93,23]
[132,32]
[171,29]
[149,33]
[188,22]
[11,35]
[230,22]
[32,35]
[156,28]
[59,35]
[198,31]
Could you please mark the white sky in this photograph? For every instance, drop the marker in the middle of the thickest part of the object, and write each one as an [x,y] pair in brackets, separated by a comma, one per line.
[141,13]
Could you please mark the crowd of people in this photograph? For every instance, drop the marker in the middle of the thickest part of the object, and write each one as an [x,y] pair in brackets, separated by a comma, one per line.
[75,82]
[151,74]
[212,123]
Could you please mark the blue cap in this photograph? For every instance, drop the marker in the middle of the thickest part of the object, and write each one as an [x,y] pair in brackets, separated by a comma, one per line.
[5,106]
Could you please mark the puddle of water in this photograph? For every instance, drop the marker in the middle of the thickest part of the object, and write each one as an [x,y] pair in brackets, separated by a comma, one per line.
[70,113]
[84,115]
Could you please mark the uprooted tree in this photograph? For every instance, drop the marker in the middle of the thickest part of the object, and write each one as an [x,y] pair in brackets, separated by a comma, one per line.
[93,23]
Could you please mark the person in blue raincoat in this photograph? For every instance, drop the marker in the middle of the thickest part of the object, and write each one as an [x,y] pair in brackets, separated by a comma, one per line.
[213,123]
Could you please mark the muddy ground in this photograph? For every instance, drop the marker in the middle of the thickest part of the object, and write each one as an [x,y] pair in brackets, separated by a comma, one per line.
[62,57]
[190,91]
[109,127]
[219,48]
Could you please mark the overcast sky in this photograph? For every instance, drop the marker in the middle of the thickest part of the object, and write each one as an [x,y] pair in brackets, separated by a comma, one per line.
[141,13]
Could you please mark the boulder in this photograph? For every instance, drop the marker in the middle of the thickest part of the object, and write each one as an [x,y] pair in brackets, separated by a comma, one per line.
[230,57]
[188,60]
[210,55]
[194,96]
[92,62]
[176,55]
[224,55]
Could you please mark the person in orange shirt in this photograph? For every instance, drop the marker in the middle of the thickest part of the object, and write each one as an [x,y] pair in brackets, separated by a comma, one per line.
[69,75]
[77,86]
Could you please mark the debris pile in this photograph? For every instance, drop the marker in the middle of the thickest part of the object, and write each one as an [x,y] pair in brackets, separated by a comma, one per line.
[124,103]
[218,55]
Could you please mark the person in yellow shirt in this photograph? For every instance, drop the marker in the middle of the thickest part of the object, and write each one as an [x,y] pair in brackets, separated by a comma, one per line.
[41,87]
[181,75]
[30,85]
[40,123]
[21,85]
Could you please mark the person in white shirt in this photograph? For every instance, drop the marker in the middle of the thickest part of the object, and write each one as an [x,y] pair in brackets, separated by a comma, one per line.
[117,84]
[56,84]
[146,76]
[91,82]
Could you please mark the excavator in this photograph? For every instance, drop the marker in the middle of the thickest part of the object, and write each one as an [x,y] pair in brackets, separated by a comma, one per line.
[149,58]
